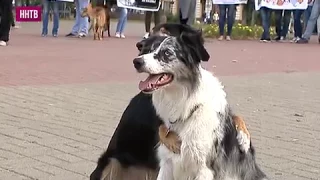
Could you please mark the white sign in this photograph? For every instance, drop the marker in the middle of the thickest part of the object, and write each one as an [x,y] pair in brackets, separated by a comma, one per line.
[142,5]
[282,4]
[229,1]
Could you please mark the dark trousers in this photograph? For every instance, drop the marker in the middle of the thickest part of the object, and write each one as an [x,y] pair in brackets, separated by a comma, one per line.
[226,12]
[5,24]
[297,26]
[282,22]
[265,16]
[12,20]
[148,16]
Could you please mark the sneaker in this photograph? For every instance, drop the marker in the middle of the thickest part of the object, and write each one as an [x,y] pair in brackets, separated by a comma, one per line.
[265,40]
[295,39]
[220,38]
[122,36]
[3,43]
[278,38]
[81,35]
[302,41]
[228,38]
[16,27]
[146,35]
[71,35]
[118,35]
[55,35]
[43,35]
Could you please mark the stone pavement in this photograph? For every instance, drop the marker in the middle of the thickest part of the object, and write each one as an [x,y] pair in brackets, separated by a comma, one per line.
[60,100]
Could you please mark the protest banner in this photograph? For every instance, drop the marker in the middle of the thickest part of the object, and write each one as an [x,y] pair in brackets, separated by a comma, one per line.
[28,13]
[281,4]
[142,5]
[229,1]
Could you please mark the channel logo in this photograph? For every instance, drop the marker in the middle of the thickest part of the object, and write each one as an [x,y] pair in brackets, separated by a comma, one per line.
[28,13]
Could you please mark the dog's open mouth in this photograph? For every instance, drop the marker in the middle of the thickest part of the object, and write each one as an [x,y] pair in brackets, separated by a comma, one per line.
[155,81]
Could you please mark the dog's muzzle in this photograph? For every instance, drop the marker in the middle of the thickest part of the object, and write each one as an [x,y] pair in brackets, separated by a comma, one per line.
[138,63]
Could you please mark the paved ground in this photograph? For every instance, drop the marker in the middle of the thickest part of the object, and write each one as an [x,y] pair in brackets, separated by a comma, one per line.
[60,100]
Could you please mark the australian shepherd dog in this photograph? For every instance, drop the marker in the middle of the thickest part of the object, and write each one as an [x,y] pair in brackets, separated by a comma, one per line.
[185,108]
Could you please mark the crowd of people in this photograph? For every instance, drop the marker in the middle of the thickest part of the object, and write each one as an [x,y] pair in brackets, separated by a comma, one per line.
[226,13]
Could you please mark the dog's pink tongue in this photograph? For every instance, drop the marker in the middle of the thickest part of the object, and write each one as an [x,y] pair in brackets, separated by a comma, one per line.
[147,84]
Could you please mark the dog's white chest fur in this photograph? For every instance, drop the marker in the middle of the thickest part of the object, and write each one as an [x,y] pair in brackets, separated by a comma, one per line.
[198,127]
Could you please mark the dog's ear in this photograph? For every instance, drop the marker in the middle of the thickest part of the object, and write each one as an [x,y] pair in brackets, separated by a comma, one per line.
[195,43]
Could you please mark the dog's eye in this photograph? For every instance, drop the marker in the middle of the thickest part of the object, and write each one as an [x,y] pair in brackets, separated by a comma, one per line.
[167,53]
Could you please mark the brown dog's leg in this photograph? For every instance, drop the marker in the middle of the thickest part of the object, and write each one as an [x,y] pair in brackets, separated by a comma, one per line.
[169,139]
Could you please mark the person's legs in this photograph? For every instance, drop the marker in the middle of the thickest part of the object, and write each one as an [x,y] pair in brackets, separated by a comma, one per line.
[297,23]
[121,22]
[318,28]
[55,18]
[147,21]
[13,24]
[45,19]
[76,26]
[222,18]
[230,19]
[306,17]
[184,7]
[5,23]
[278,19]
[156,16]
[191,13]
[312,20]
[84,23]
[265,16]
[286,21]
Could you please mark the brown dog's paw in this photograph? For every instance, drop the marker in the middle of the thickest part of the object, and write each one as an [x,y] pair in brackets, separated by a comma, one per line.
[243,135]
[170,139]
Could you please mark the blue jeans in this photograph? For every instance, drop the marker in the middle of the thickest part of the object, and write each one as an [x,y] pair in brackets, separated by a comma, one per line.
[230,17]
[307,14]
[282,22]
[297,26]
[315,13]
[265,16]
[123,12]
[81,24]
[45,20]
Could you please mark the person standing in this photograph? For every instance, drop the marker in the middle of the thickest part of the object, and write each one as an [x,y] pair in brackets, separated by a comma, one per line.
[5,23]
[123,16]
[297,26]
[315,13]
[282,18]
[226,12]
[265,16]
[187,9]
[45,21]
[81,25]
[307,14]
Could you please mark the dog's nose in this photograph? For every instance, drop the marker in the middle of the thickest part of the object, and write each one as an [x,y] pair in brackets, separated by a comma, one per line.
[138,62]
[139,45]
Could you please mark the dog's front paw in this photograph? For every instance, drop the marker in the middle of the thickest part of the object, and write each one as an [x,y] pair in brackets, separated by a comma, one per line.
[244,141]
[170,139]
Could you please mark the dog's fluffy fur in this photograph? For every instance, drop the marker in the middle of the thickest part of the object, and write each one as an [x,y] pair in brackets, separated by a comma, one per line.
[134,141]
[192,103]
[99,20]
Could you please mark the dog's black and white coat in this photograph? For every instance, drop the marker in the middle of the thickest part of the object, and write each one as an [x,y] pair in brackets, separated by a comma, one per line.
[133,143]
[192,102]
